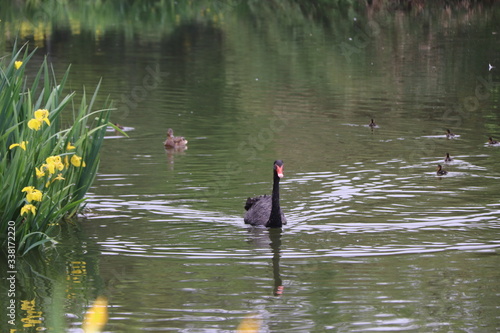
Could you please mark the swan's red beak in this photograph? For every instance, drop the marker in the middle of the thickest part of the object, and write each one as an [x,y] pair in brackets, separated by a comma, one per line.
[279,171]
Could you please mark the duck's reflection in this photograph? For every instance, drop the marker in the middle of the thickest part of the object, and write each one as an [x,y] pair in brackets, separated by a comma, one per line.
[171,152]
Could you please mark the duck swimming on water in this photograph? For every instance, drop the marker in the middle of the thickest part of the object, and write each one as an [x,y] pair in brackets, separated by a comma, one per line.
[449,134]
[174,141]
[440,171]
[491,141]
[448,158]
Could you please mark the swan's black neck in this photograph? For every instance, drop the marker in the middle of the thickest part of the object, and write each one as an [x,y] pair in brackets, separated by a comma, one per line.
[275,217]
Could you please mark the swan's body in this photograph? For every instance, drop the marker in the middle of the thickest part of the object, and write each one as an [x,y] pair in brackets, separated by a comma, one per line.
[265,210]
[259,211]
[440,171]
[174,141]
[448,158]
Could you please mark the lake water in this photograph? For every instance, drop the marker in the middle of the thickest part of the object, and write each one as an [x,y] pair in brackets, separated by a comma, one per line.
[375,240]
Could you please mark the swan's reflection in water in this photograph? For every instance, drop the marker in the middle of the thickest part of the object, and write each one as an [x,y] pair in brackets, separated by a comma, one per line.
[275,237]
[262,238]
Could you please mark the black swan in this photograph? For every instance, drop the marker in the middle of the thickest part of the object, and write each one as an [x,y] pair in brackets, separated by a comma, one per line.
[174,141]
[265,209]
[440,171]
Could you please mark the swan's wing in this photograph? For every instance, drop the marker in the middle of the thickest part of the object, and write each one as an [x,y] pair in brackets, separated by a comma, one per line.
[252,201]
[258,213]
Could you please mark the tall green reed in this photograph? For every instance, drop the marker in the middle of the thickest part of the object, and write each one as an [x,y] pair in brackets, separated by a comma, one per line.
[45,167]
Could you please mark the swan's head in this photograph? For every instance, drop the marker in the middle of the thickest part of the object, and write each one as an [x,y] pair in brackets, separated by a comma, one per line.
[278,168]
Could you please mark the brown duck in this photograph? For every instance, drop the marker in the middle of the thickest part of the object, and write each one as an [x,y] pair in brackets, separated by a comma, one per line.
[174,141]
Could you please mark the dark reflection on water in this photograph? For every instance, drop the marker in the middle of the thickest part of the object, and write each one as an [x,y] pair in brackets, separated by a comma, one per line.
[375,239]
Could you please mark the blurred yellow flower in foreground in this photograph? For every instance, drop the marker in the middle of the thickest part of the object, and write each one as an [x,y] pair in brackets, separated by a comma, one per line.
[97,316]
[250,324]
[22,145]
[18,64]
[69,146]
[28,208]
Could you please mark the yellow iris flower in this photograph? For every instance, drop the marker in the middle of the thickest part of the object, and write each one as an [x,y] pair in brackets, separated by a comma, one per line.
[22,145]
[53,163]
[39,173]
[28,208]
[36,195]
[34,124]
[69,146]
[18,64]
[59,177]
[77,161]
[32,194]
[41,115]
[28,189]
